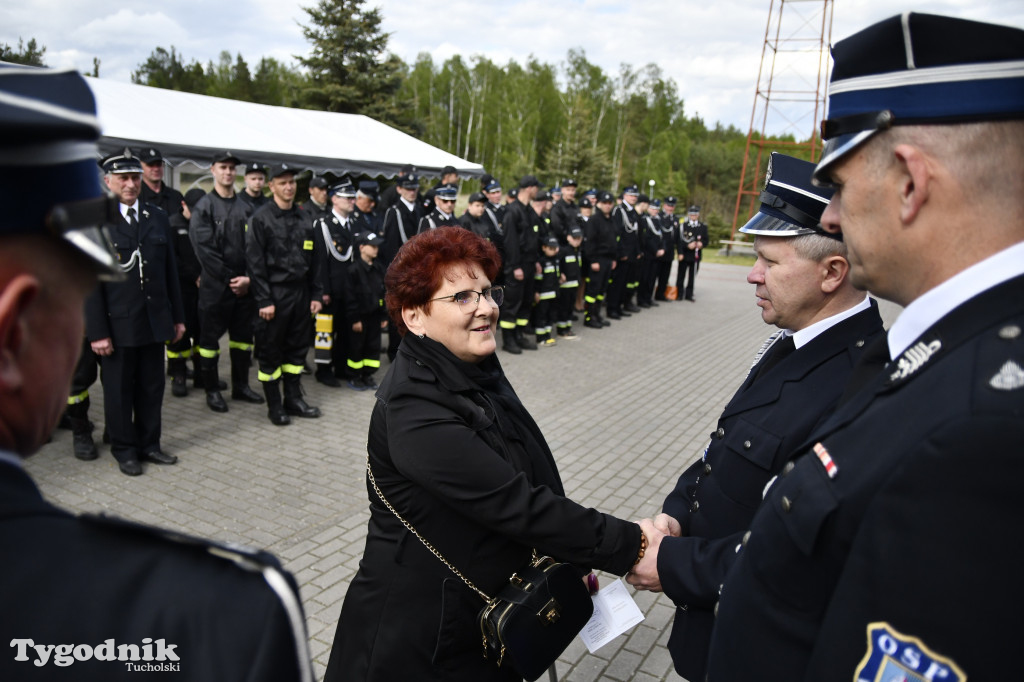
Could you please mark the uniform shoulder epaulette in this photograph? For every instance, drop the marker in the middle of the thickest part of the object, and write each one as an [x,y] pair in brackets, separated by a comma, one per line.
[999,378]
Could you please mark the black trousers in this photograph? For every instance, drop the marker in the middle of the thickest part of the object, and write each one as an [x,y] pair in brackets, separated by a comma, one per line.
[133,396]
[617,285]
[283,342]
[597,282]
[565,306]
[645,290]
[220,311]
[662,271]
[688,271]
[86,372]
[364,347]
[518,304]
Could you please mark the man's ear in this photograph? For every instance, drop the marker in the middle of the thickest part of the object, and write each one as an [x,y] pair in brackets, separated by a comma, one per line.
[915,180]
[835,270]
[15,301]
[413,318]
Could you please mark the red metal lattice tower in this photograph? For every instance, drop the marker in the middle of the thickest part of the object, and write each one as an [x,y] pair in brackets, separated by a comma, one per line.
[790,96]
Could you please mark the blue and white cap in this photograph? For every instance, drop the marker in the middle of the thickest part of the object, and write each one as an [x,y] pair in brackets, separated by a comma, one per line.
[914,69]
[344,188]
[49,183]
[790,204]
[447,192]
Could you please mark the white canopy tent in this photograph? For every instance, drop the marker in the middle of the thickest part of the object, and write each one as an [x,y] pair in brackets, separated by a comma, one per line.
[189,128]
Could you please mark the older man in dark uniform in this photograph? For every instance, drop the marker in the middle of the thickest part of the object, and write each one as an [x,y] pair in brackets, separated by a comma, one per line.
[624,280]
[860,560]
[802,285]
[129,322]
[691,239]
[183,603]
[335,232]
[284,269]
[443,212]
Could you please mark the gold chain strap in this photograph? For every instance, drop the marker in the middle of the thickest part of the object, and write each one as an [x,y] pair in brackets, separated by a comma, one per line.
[373,482]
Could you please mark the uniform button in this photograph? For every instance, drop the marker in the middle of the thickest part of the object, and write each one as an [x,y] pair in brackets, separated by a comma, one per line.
[746,445]
[786,504]
[695,506]
[1009,332]
[720,433]
[707,469]
[860,343]
[746,538]
[789,467]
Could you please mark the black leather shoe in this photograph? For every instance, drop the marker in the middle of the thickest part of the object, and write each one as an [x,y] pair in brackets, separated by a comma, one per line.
[130,468]
[512,348]
[246,395]
[526,343]
[645,304]
[297,407]
[630,308]
[593,324]
[278,417]
[613,316]
[691,299]
[652,304]
[178,387]
[84,447]
[215,401]
[328,379]
[159,457]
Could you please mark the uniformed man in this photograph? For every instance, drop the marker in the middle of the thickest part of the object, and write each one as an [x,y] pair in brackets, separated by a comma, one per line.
[491,189]
[255,177]
[80,594]
[365,215]
[443,212]
[449,176]
[317,204]
[627,272]
[129,322]
[564,210]
[335,232]
[669,225]
[217,228]
[801,280]
[389,196]
[691,240]
[599,254]
[519,265]
[888,551]
[284,268]
[155,191]
[652,245]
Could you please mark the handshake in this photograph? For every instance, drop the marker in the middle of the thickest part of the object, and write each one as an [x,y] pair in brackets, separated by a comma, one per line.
[644,575]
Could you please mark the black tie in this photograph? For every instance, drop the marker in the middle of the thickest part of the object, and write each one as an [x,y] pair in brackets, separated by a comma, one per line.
[776,354]
[131,218]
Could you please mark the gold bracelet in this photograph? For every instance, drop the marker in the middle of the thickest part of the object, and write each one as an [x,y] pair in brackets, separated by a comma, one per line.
[643,547]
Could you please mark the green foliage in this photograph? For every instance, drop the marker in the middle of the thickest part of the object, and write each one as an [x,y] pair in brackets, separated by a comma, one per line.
[29,55]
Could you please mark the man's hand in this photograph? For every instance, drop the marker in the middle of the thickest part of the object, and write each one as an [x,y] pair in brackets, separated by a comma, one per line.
[267,313]
[315,307]
[103,346]
[668,525]
[357,327]
[179,331]
[518,273]
[596,267]
[239,285]
[644,576]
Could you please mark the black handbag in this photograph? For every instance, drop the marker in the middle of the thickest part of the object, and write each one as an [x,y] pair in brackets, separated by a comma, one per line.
[534,618]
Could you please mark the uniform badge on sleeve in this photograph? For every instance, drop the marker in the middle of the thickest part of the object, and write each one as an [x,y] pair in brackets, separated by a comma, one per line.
[895,657]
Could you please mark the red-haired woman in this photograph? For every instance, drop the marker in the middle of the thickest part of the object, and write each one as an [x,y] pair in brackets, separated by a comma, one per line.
[454,451]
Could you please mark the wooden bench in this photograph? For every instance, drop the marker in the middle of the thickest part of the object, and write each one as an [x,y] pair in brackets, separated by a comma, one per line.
[735,246]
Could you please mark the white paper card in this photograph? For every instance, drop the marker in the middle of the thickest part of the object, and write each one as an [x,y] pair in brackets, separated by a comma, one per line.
[614,613]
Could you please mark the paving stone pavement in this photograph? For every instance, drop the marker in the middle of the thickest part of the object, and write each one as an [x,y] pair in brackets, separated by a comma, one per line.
[624,409]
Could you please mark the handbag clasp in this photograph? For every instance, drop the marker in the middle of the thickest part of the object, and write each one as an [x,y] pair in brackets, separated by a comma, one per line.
[550,613]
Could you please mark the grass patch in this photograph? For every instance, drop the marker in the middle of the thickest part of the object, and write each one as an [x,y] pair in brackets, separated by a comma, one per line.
[711,256]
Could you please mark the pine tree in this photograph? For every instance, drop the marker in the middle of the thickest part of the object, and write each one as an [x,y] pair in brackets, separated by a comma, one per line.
[350,70]
[29,55]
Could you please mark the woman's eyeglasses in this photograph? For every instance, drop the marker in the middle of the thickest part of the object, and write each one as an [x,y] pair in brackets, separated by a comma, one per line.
[494,294]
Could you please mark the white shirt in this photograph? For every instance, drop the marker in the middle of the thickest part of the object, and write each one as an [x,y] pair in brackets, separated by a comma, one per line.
[935,304]
[807,334]
[408,204]
[124,209]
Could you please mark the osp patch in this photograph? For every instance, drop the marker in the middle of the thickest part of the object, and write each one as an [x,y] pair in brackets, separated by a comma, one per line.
[895,657]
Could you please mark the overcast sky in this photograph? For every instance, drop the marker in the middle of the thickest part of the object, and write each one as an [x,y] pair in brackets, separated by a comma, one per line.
[710,48]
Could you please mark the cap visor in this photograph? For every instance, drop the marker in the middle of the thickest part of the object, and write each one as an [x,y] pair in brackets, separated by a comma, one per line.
[770,226]
[835,149]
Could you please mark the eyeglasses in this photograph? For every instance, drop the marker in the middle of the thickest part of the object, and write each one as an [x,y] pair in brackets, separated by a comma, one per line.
[494,294]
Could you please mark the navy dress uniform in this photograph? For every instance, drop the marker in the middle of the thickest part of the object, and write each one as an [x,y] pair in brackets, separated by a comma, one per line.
[861,561]
[336,233]
[83,587]
[787,393]
[284,267]
[435,218]
[139,316]
[668,223]
[692,232]
[627,272]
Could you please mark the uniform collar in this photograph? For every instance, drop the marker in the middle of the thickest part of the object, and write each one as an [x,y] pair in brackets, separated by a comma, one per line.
[807,334]
[932,306]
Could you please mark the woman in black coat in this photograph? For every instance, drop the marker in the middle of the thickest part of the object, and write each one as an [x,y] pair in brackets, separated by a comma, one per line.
[454,451]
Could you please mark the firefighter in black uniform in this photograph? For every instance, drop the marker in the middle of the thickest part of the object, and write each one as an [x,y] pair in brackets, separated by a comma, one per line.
[443,212]
[652,244]
[318,203]
[491,189]
[155,191]
[669,225]
[334,231]
[255,179]
[519,265]
[284,267]
[564,212]
[692,238]
[217,229]
[627,225]
[599,251]
[129,322]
